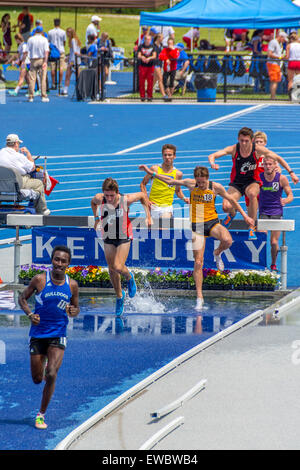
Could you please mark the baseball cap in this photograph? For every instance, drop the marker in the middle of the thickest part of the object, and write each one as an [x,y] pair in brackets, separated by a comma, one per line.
[180,45]
[154,30]
[13,138]
[39,29]
[283,34]
[96,18]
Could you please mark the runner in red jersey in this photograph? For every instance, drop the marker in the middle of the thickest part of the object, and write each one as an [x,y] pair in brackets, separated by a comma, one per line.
[245,174]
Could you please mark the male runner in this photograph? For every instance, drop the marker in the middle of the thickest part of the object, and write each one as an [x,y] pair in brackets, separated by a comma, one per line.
[204,218]
[116,231]
[244,179]
[271,202]
[56,299]
[161,194]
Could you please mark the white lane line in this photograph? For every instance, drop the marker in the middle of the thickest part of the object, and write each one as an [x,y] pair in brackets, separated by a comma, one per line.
[203,125]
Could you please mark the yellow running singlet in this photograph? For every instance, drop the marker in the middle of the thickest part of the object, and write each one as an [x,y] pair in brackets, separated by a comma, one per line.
[202,208]
[161,193]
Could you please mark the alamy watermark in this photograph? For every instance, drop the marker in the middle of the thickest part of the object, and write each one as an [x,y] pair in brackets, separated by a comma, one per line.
[2,93]
[2,352]
[296,353]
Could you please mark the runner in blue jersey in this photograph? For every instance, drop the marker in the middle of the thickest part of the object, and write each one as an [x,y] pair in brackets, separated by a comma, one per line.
[56,299]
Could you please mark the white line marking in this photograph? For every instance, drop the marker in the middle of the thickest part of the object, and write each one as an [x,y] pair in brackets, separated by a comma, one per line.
[204,125]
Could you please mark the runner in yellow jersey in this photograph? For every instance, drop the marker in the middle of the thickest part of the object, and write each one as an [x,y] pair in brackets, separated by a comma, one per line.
[162,194]
[204,218]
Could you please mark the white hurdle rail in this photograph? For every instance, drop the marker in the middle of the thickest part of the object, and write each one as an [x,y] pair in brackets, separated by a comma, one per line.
[282,225]
[35,220]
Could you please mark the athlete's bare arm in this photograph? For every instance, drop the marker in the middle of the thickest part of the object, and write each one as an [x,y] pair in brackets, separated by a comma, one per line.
[284,183]
[146,180]
[230,150]
[73,307]
[36,285]
[178,189]
[95,202]
[187,182]
[261,150]
[140,197]
[221,191]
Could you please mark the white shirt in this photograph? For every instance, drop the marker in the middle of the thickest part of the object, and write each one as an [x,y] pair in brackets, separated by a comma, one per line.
[276,49]
[9,158]
[74,49]
[57,36]
[294,51]
[166,31]
[192,33]
[37,46]
[91,30]
[22,49]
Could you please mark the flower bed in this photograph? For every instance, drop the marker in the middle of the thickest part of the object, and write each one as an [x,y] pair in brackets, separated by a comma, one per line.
[97,276]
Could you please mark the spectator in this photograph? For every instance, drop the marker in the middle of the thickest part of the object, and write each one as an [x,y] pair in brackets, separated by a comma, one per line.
[183,64]
[293,56]
[153,33]
[273,65]
[25,23]
[20,159]
[191,38]
[267,37]
[57,36]
[104,47]
[228,39]
[6,29]
[158,77]
[93,28]
[22,62]
[256,42]
[146,56]
[240,35]
[74,45]
[38,49]
[38,23]
[169,56]
[92,50]
[140,39]
[167,32]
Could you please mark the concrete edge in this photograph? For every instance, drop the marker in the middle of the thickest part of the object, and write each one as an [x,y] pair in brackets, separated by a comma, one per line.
[129,394]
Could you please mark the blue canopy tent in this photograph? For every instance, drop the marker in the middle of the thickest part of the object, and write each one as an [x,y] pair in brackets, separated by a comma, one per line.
[250,14]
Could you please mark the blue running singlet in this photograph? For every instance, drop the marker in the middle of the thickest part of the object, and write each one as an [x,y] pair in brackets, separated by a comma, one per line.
[50,305]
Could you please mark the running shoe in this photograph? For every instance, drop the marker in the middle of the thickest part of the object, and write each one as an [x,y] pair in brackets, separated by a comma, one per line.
[199,304]
[120,304]
[131,285]
[40,422]
[12,93]
[227,221]
[252,235]
[219,262]
[274,268]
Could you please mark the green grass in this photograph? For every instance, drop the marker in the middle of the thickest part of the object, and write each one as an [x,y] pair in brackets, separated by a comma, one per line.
[124,29]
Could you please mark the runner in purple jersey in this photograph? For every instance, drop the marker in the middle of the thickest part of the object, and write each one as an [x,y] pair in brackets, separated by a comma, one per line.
[271,202]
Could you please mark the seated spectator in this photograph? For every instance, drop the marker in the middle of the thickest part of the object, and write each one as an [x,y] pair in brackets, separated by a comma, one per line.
[23,62]
[240,35]
[104,48]
[169,56]
[228,39]
[74,46]
[183,64]
[146,56]
[191,38]
[20,160]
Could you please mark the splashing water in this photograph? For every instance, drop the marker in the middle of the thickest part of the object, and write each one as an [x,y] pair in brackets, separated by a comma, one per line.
[144,301]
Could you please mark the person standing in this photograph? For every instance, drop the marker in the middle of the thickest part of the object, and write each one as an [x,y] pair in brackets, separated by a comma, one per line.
[20,160]
[56,299]
[74,45]
[204,219]
[25,23]
[169,56]
[161,194]
[38,50]
[146,54]
[93,28]
[271,202]
[57,36]
[111,212]
[273,64]
[22,62]
[293,56]
[7,30]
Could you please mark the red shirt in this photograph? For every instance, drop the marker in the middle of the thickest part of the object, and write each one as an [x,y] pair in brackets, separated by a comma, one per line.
[170,54]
